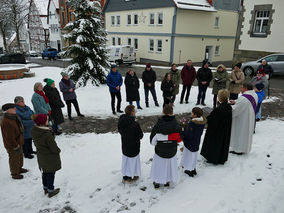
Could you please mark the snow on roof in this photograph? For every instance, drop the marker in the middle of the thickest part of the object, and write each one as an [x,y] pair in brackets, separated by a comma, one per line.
[41,6]
[195,5]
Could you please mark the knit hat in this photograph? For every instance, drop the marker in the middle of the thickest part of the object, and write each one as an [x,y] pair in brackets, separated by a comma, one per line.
[148,65]
[39,119]
[239,65]
[259,86]
[64,74]
[48,81]
[261,71]
[7,106]
[113,66]
[204,62]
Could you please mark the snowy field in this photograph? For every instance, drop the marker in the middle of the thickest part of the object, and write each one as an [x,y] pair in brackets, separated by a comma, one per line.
[90,180]
[93,101]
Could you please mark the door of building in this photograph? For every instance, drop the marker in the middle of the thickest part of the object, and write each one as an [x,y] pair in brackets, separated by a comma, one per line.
[209,53]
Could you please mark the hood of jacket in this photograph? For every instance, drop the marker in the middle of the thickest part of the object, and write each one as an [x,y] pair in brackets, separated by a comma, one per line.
[223,68]
[167,125]
[38,132]
[125,121]
[199,121]
[127,74]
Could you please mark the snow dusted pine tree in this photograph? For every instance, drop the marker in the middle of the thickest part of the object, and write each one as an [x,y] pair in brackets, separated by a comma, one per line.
[87,38]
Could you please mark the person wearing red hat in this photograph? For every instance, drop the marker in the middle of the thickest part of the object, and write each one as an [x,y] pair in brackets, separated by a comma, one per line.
[13,139]
[48,153]
[261,78]
[149,79]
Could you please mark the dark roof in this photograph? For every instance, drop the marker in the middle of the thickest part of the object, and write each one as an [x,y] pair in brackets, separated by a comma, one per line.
[234,5]
[121,5]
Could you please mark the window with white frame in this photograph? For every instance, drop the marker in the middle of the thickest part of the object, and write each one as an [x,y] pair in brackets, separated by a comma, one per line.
[217,50]
[113,41]
[159,45]
[129,41]
[151,45]
[135,43]
[151,18]
[128,17]
[117,20]
[118,41]
[216,23]
[261,21]
[112,20]
[160,19]
[135,19]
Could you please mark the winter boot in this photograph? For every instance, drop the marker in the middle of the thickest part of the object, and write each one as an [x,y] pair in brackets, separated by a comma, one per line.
[70,118]
[203,104]
[17,177]
[119,111]
[139,107]
[167,184]
[81,115]
[156,104]
[189,173]
[23,170]
[147,105]
[156,185]
[194,172]
[53,192]
[135,178]
[29,156]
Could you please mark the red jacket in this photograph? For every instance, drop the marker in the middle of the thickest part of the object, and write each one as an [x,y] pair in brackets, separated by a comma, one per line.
[188,75]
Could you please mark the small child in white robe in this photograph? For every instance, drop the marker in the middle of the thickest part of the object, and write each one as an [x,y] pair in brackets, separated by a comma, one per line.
[191,140]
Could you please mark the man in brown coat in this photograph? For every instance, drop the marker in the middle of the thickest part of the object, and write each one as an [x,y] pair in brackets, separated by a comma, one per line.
[13,139]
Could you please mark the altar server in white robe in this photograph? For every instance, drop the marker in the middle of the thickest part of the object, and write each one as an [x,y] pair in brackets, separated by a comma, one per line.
[243,122]
[164,136]
[131,134]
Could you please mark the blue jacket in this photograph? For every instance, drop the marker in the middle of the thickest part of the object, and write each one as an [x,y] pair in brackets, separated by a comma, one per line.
[260,96]
[25,114]
[114,79]
[40,107]
[192,134]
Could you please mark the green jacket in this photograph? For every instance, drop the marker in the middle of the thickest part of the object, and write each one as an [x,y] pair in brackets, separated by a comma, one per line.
[47,150]
[175,77]
[220,80]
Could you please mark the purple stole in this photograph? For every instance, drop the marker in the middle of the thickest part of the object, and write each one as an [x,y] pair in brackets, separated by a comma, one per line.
[251,100]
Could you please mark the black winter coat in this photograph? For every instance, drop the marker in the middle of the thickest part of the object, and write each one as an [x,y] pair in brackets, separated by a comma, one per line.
[166,125]
[149,77]
[55,103]
[132,87]
[204,74]
[131,134]
[192,134]
[167,87]
[267,69]
[216,143]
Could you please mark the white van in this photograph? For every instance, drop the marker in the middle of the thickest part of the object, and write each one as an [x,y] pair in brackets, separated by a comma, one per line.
[122,54]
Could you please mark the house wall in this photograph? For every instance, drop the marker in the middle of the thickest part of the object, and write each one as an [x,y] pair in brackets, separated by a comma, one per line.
[1,44]
[54,27]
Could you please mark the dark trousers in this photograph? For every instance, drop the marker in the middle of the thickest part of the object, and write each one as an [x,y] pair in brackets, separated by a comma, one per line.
[15,161]
[233,96]
[167,100]
[75,104]
[27,146]
[153,92]
[48,180]
[201,93]
[186,88]
[118,96]
[214,101]
[137,103]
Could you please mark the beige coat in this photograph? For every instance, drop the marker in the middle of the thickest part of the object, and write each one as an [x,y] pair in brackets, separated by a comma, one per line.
[238,77]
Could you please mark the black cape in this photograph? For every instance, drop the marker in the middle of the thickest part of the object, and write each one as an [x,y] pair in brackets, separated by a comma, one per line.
[216,143]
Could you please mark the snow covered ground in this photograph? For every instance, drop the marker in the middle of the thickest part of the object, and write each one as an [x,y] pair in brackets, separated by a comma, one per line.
[93,100]
[90,180]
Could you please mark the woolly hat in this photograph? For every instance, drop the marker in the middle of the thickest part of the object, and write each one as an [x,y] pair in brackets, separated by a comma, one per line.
[5,107]
[39,119]
[113,66]
[48,81]
[63,74]
[239,65]
[148,65]
[259,86]
[261,71]
[204,62]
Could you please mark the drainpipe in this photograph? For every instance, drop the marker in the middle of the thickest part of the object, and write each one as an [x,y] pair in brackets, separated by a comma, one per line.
[173,36]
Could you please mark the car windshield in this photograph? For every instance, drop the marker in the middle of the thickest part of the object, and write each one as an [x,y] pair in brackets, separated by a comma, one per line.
[270,58]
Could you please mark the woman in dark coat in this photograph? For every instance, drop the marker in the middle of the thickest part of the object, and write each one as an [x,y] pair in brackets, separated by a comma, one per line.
[167,87]
[216,143]
[48,153]
[55,103]
[131,134]
[132,88]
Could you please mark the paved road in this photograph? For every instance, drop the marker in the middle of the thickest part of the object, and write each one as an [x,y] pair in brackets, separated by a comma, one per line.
[276,82]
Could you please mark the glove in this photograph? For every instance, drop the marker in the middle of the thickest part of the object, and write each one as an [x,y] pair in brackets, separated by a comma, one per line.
[18,149]
[233,82]
[49,113]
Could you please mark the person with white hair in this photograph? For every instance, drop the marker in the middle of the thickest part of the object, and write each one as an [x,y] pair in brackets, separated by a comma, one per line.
[266,68]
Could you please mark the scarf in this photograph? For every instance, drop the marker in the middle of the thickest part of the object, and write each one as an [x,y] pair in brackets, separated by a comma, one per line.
[67,82]
[41,93]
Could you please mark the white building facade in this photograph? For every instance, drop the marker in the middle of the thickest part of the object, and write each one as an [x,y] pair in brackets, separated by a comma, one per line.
[1,44]
[168,31]
[261,31]
[54,24]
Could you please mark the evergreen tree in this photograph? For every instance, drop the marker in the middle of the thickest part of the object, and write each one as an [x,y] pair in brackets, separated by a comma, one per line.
[87,39]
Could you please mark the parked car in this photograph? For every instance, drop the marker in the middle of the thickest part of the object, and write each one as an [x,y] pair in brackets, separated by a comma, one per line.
[276,61]
[50,53]
[123,54]
[33,53]
[13,58]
